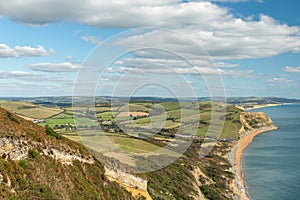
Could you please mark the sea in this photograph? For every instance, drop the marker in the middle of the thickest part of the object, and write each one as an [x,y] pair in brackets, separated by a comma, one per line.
[271,163]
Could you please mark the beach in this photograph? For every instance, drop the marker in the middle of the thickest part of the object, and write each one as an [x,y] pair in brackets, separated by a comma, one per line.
[245,140]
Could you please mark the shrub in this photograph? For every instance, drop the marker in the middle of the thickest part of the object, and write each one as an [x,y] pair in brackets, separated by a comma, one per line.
[211,193]
[23,164]
[51,132]
[33,153]
[12,118]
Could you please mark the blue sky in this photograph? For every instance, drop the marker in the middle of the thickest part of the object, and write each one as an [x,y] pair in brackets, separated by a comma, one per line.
[253,47]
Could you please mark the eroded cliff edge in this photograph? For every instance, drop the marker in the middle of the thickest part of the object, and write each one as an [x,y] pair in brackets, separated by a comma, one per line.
[253,123]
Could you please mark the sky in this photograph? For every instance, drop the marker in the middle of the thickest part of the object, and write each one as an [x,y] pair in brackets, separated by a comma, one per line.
[167,48]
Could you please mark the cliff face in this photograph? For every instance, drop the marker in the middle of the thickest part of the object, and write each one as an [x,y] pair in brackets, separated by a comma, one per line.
[37,165]
[19,148]
[254,121]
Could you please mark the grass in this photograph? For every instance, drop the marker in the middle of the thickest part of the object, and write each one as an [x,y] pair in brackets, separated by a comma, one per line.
[106,115]
[134,108]
[30,110]
[170,105]
[41,177]
[63,119]
[133,145]
[181,113]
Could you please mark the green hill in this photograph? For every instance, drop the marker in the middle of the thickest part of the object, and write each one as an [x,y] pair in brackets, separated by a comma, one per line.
[37,164]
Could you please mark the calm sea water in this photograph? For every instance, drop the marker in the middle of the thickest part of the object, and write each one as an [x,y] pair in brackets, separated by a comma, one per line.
[271,163]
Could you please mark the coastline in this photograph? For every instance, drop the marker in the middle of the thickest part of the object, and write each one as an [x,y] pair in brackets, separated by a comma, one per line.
[243,144]
[263,106]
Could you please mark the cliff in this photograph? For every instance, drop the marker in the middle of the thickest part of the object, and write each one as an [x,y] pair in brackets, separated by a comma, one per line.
[35,163]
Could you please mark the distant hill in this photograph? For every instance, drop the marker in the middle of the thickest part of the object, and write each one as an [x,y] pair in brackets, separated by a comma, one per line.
[66,101]
[260,100]
[29,110]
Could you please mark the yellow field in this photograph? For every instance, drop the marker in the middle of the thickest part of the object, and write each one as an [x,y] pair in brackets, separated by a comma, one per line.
[133,114]
[29,110]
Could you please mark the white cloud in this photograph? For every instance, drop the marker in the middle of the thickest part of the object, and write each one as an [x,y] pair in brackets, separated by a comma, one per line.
[279,80]
[21,74]
[19,51]
[32,77]
[219,32]
[56,67]
[156,65]
[236,39]
[166,70]
[226,65]
[231,1]
[292,69]
[91,39]
[182,71]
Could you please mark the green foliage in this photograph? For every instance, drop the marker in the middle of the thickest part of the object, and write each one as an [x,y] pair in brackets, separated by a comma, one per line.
[33,154]
[11,117]
[23,164]
[46,179]
[51,132]
[211,192]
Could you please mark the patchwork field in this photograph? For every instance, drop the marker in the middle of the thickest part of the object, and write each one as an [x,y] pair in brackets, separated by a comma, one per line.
[140,117]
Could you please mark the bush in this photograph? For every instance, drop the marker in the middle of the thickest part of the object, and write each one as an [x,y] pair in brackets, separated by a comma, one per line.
[33,153]
[23,164]
[12,118]
[51,132]
[211,193]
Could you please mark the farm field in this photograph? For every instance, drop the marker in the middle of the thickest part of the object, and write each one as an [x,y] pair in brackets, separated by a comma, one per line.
[29,110]
[165,117]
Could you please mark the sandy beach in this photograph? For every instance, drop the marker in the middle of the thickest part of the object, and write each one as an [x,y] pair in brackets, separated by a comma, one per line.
[242,145]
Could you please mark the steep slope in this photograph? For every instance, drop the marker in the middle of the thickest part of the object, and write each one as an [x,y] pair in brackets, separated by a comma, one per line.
[36,163]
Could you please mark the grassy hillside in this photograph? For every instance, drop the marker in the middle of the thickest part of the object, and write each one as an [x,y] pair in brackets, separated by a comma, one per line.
[37,176]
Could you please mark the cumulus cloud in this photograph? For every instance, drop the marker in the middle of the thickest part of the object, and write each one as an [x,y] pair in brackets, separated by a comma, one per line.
[292,69]
[235,39]
[19,51]
[220,33]
[55,67]
[279,80]
[91,39]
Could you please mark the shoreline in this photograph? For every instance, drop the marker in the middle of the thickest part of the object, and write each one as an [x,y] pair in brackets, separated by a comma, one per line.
[242,144]
[263,106]
[266,105]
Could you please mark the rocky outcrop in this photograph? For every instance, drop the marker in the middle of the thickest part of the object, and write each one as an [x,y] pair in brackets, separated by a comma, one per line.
[18,149]
[126,179]
[14,149]
[253,121]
